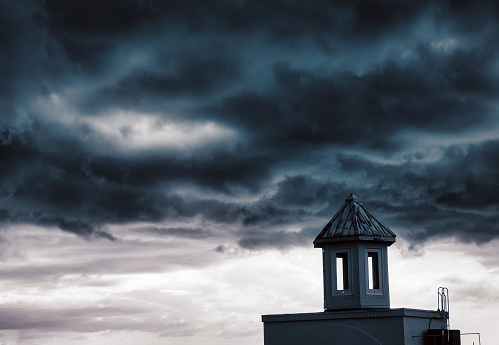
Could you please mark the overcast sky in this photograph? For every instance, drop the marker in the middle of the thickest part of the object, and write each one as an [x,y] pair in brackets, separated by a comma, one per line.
[166,165]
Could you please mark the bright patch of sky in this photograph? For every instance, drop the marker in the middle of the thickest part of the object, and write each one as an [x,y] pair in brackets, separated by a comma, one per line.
[141,132]
[227,296]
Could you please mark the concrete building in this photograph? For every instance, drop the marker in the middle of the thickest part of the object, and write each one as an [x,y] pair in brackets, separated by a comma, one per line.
[356,293]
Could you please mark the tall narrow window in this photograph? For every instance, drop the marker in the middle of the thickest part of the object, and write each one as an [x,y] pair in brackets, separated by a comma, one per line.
[373,270]
[341,271]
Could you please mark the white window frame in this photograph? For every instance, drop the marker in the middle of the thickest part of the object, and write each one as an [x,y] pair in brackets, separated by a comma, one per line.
[379,252]
[334,272]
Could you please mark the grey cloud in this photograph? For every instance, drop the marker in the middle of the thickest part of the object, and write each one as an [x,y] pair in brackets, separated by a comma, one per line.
[84,229]
[282,19]
[142,89]
[92,265]
[256,238]
[178,232]
[200,64]
[323,98]
[82,319]
[466,227]
[469,16]
[411,196]
[91,17]
[455,196]
[305,109]
[32,61]
[476,184]
[420,201]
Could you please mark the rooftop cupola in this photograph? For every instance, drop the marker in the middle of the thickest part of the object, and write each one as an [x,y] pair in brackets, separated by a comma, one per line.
[355,259]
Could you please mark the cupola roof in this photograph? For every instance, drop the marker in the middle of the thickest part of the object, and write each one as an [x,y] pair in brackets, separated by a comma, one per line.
[353,222]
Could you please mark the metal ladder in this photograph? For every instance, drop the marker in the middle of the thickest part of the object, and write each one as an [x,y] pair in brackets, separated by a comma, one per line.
[443,304]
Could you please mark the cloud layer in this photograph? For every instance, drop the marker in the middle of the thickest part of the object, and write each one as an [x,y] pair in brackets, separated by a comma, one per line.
[165,165]
[260,115]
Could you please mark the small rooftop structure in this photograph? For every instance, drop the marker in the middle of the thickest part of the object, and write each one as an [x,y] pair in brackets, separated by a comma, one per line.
[356,293]
[354,222]
[355,259]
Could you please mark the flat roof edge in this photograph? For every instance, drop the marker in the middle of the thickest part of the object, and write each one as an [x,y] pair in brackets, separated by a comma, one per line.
[354,314]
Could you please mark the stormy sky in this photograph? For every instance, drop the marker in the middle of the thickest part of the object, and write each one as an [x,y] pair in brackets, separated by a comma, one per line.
[180,153]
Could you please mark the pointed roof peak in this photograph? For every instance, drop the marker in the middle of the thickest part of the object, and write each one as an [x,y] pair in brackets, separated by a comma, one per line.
[353,222]
[352,198]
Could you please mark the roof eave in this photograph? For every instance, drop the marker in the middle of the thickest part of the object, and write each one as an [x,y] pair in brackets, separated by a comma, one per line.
[321,242]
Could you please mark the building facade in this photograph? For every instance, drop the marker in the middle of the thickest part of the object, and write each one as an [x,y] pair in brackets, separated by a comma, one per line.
[356,292]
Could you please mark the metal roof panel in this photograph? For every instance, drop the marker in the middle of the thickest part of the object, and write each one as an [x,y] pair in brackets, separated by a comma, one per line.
[353,219]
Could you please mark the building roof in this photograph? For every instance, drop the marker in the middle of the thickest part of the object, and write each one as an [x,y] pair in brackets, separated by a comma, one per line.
[353,222]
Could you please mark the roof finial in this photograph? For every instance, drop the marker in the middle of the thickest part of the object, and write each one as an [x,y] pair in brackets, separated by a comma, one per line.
[352,198]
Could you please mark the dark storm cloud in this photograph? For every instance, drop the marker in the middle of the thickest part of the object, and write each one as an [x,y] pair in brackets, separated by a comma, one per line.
[456,196]
[100,17]
[468,15]
[280,19]
[275,73]
[79,192]
[178,232]
[194,77]
[31,62]
[59,188]
[346,109]
[434,93]
[261,239]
